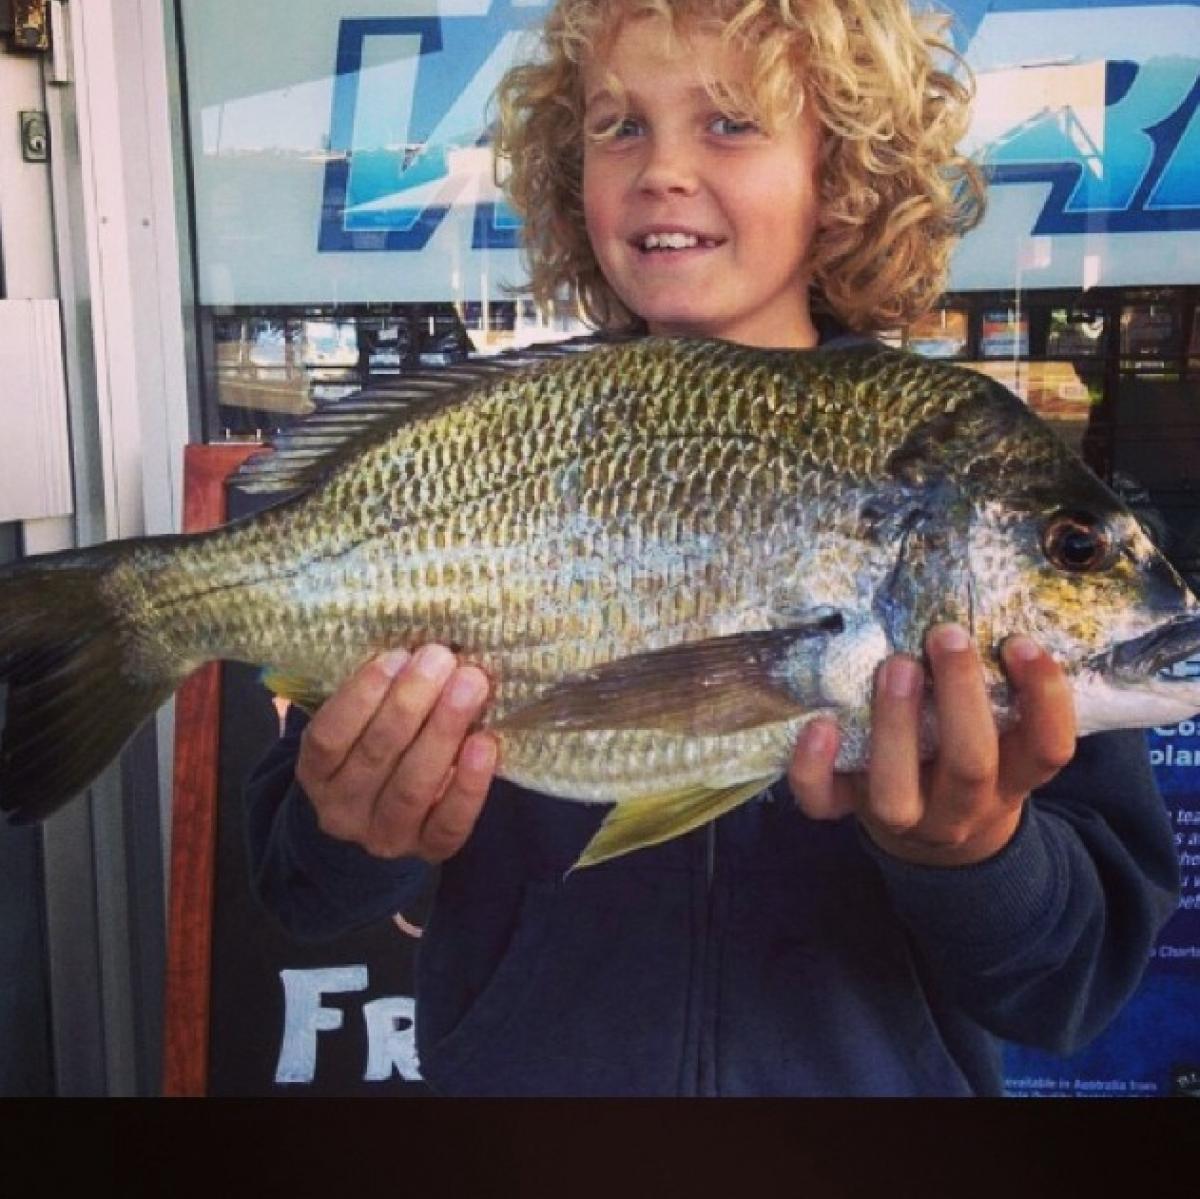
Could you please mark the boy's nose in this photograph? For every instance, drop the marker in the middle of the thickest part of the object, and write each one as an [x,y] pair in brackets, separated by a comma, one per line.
[667,168]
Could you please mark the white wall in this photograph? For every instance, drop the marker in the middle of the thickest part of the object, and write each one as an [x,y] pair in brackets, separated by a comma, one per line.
[98,230]
[27,242]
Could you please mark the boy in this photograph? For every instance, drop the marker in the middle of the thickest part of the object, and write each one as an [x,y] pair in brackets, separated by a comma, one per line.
[704,169]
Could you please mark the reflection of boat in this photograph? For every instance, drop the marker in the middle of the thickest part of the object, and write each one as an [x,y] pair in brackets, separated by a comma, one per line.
[266,389]
[937,347]
[258,371]
[941,333]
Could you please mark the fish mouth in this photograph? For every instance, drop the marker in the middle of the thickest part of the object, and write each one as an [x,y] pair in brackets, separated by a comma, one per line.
[1148,656]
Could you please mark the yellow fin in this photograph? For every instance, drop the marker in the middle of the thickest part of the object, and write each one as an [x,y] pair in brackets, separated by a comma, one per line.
[651,819]
[304,693]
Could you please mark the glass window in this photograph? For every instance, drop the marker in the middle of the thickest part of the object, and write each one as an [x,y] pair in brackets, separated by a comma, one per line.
[348,226]
[1150,335]
[1075,332]
[940,334]
[1004,333]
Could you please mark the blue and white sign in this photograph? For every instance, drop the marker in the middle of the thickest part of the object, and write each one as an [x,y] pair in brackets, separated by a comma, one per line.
[407,140]
[340,147]
[1086,118]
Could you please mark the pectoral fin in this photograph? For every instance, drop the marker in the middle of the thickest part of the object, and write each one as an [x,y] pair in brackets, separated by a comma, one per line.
[652,819]
[699,688]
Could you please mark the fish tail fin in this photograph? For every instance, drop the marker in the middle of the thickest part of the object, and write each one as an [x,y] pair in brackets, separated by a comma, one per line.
[70,693]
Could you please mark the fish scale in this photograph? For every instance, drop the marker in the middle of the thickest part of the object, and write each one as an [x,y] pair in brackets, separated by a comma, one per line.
[668,555]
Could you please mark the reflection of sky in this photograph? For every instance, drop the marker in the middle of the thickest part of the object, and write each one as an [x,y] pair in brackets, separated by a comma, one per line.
[330,343]
[447,109]
[1006,100]
[1080,32]
[386,82]
[294,118]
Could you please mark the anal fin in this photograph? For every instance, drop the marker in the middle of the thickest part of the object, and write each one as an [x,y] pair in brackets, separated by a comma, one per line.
[652,819]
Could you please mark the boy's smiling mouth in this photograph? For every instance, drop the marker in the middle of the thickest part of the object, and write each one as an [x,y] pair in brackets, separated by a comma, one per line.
[659,240]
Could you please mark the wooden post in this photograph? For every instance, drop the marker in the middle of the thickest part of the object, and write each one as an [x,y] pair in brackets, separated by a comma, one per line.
[194,810]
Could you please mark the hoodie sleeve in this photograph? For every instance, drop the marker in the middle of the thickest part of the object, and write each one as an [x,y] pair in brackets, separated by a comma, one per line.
[1044,942]
[315,885]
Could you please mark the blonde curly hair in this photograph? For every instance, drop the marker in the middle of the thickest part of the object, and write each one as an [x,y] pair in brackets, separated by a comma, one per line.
[895,192]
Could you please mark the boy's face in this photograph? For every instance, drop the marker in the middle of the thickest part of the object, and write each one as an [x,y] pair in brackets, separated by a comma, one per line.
[738,205]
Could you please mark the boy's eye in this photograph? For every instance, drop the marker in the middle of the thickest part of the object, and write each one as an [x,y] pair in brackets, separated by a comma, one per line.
[728,126]
[626,127]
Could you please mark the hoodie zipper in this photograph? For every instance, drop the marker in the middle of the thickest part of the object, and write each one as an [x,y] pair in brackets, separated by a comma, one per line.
[706,1031]
[706,1083]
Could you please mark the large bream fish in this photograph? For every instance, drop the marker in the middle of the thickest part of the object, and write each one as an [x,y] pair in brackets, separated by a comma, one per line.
[668,554]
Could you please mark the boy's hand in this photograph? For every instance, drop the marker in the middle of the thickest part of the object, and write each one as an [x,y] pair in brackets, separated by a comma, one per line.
[389,763]
[966,804]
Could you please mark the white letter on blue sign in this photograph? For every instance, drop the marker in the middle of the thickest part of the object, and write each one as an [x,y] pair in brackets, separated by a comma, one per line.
[391,1039]
[304,1017]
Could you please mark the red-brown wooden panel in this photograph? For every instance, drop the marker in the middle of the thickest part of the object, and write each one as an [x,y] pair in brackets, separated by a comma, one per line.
[194,810]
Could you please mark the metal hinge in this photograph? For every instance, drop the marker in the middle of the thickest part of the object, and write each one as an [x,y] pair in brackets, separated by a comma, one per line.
[35,136]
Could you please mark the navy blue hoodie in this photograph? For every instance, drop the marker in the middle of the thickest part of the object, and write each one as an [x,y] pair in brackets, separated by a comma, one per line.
[766,954]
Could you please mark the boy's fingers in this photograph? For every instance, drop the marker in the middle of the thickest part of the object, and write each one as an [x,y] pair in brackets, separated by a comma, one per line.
[420,775]
[334,730]
[894,782]
[453,817]
[968,752]
[1043,740]
[396,723]
[819,793]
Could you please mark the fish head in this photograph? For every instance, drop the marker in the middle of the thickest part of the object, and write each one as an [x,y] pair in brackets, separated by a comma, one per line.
[1085,580]
[1050,552]
[1005,529]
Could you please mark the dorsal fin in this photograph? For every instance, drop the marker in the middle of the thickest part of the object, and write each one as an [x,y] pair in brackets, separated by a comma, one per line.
[309,450]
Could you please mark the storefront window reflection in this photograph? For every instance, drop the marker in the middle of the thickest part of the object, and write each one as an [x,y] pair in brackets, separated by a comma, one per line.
[1150,335]
[1005,334]
[940,334]
[1075,332]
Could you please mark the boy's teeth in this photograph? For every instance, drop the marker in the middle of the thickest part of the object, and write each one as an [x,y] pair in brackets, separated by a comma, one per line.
[671,241]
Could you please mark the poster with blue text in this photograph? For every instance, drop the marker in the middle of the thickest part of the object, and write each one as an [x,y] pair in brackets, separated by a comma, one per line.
[341,149]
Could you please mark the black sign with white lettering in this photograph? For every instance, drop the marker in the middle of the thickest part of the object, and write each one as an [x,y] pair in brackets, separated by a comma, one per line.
[330,1019]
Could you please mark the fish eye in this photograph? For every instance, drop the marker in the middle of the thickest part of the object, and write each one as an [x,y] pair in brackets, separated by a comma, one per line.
[1078,542]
